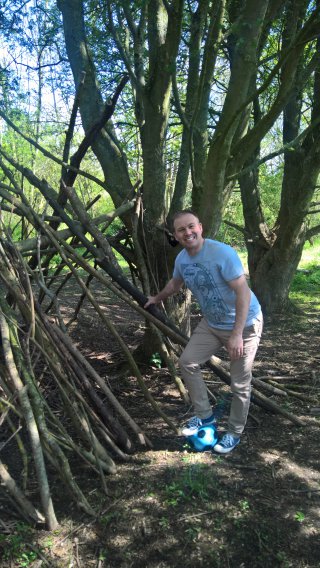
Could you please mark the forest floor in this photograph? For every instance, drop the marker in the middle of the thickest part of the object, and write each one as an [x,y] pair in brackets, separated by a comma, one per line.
[171,507]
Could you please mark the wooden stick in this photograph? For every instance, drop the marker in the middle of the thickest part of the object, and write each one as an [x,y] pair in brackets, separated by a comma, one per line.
[17,494]
[27,410]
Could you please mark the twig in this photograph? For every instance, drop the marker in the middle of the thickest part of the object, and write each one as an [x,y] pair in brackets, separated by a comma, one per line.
[186,517]
[241,465]
[278,378]
[3,445]
[76,546]
[304,490]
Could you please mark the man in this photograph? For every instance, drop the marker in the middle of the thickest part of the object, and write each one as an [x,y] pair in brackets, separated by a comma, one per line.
[231,317]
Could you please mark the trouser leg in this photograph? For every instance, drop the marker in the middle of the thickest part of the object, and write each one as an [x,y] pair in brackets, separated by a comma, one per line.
[241,376]
[203,343]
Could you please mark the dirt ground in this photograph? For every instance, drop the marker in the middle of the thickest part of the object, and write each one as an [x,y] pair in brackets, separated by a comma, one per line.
[171,507]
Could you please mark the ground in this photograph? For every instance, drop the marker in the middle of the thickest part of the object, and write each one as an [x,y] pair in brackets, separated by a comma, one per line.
[171,507]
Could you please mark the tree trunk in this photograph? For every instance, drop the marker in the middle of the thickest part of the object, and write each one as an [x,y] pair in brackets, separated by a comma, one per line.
[274,255]
[111,158]
[216,188]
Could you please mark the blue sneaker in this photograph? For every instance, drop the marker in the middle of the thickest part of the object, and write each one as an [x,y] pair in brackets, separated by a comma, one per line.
[195,423]
[226,444]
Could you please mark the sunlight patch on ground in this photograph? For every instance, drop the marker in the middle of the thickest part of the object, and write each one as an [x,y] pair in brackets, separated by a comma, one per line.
[308,477]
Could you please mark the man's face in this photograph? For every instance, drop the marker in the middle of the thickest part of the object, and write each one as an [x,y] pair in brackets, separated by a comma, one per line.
[188,232]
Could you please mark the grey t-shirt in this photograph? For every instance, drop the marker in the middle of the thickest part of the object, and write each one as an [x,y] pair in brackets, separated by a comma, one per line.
[207,275]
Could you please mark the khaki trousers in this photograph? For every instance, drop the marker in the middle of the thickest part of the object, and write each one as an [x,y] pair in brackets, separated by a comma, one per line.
[205,342]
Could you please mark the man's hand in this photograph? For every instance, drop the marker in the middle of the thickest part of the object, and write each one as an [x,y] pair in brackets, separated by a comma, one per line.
[151,300]
[235,346]
[172,287]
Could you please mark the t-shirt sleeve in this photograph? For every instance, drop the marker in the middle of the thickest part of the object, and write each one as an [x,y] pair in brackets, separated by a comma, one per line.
[176,271]
[231,267]
[177,267]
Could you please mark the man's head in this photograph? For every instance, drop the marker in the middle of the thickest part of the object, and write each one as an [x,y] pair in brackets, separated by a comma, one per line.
[188,230]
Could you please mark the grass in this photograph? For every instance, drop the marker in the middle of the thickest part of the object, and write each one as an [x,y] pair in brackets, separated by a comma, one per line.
[306,283]
[16,546]
[196,483]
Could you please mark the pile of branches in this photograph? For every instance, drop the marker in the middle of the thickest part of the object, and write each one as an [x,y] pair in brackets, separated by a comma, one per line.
[36,349]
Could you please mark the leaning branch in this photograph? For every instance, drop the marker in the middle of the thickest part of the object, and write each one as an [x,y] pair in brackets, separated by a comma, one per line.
[49,155]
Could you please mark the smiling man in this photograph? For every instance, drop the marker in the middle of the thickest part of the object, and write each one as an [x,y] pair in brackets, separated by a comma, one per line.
[231,318]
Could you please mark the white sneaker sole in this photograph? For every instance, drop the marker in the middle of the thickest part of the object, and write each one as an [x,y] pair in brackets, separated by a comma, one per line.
[221,450]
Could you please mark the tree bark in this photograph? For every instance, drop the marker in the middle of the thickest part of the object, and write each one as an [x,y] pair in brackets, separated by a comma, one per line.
[274,254]
[216,189]
[112,160]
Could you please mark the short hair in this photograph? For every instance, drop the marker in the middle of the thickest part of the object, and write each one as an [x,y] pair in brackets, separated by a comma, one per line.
[181,213]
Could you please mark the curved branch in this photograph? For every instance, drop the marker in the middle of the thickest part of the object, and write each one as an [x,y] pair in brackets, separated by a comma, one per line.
[123,52]
[312,232]
[286,147]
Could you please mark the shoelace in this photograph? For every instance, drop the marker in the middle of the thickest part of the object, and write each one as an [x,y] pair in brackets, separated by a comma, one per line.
[194,422]
[227,440]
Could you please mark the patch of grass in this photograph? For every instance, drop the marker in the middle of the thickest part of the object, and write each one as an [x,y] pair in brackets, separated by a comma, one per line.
[310,253]
[306,284]
[15,547]
[109,518]
[164,522]
[196,483]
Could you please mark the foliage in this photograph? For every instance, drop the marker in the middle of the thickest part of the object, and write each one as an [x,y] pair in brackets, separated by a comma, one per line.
[306,284]
[15,546]
[196,482]
[299,516]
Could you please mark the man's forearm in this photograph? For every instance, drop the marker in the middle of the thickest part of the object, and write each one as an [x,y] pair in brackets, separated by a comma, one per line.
[243,296]
[242,303]
[242,309]
[172,287]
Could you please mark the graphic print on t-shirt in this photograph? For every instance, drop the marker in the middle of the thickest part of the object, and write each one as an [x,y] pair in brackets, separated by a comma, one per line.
[202,284]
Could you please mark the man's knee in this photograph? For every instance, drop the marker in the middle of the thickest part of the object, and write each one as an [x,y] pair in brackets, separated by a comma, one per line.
[241,386]
[185,362]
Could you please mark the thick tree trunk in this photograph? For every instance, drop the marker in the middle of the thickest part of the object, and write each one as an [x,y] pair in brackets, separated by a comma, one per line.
[274,272]
[274,254]
[111,158]
[216,188]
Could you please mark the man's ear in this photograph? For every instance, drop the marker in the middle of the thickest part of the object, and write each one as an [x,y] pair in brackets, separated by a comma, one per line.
[172,240]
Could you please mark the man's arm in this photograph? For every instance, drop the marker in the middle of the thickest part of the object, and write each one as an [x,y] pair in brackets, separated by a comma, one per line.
[171,288]
[243,297]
